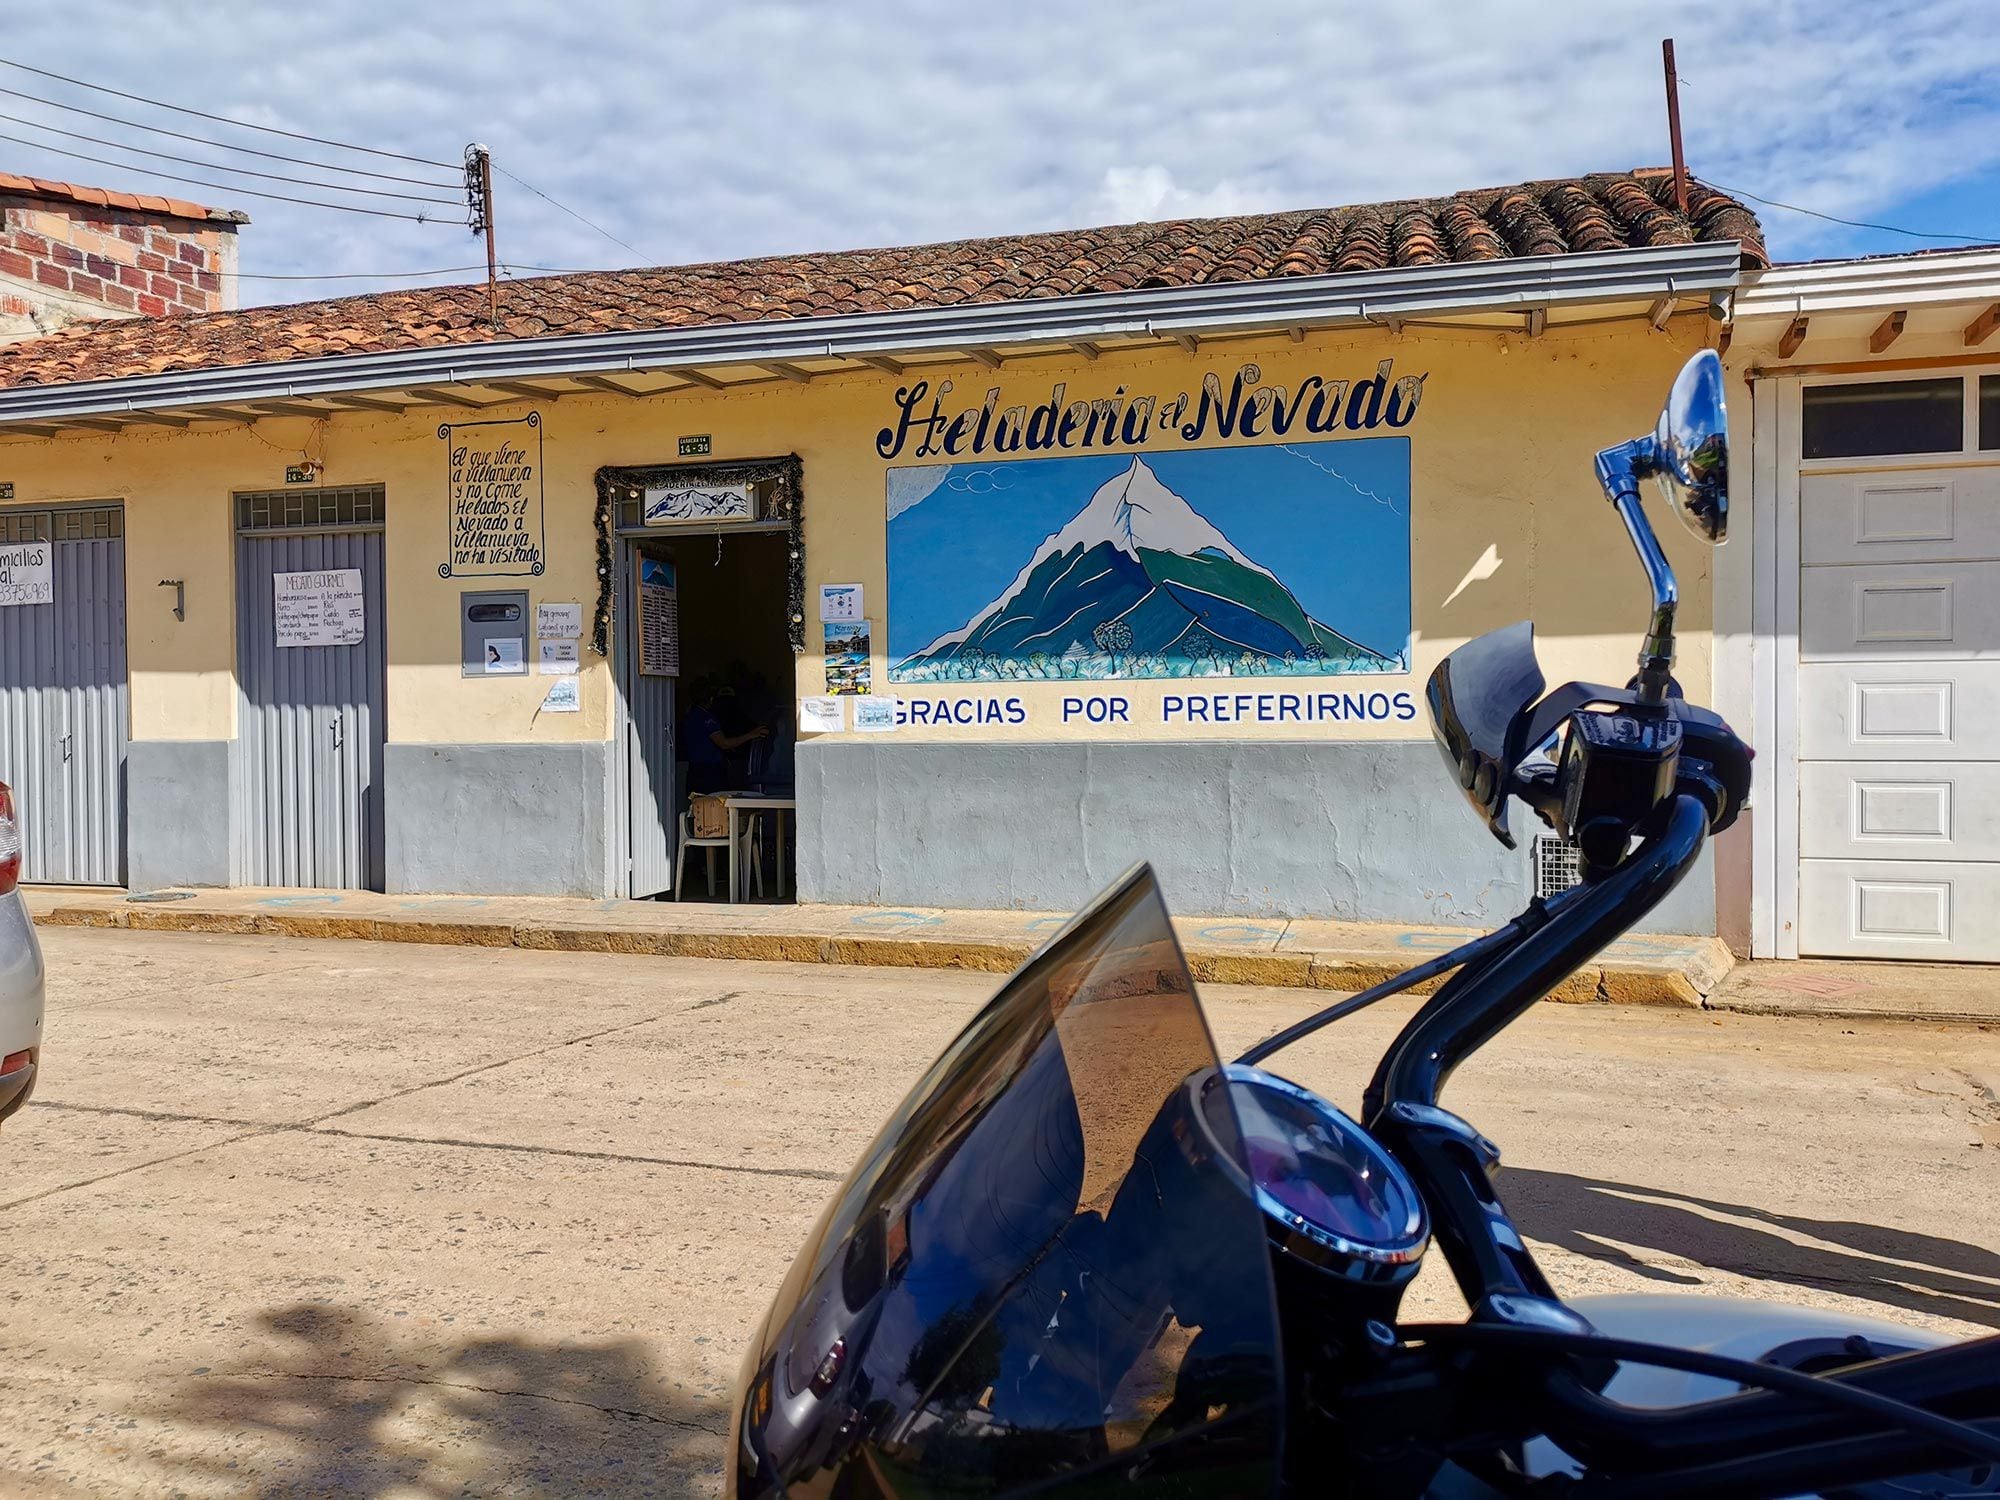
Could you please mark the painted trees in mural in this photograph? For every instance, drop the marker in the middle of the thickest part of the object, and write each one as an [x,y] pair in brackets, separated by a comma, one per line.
[1288,560]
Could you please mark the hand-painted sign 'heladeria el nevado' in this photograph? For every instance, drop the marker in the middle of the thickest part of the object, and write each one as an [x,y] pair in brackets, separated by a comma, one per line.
[1246,408]
[1260,531]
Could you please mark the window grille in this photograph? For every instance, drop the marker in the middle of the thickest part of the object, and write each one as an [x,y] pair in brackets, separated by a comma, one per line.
[310,509]
[1556,865]
[93,524]
[79,524]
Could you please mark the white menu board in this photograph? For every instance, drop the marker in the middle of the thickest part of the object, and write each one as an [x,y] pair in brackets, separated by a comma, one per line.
[320,609]
[659,619]
[27,575]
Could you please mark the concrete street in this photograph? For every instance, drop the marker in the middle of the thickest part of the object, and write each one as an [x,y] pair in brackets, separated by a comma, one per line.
[296,1217]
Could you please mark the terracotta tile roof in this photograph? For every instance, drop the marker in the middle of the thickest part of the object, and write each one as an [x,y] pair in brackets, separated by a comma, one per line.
[1538,218]
[138,203]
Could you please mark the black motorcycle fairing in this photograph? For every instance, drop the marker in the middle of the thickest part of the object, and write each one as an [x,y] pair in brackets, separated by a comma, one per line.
[1477,697]
[1489,716]
[1040,1276]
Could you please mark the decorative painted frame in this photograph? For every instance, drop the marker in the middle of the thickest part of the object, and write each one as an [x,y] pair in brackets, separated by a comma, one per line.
[786,476]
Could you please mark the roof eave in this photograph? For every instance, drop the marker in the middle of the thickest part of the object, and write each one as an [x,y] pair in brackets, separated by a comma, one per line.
[1789,291]
[1525,284]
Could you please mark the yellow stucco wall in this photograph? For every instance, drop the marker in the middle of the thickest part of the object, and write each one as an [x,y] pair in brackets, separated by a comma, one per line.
[1501,448]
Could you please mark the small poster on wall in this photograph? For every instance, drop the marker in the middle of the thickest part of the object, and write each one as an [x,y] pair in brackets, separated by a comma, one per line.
[822,715]
[840,603]
[875,715]
[558,658]
[559,622]
[27,576]
[659,619]
[319,609]
[847,647]
[503,656]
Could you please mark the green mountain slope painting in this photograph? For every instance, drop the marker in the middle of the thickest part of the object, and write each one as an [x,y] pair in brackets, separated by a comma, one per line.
[1289,560]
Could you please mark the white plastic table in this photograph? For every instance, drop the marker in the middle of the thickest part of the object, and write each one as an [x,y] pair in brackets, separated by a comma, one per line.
[756,802]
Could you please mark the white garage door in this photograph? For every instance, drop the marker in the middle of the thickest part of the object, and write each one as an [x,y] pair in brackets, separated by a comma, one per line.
[1899,713]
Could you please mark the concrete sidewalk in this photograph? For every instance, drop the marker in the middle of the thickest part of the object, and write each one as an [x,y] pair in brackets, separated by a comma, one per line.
[1641,969]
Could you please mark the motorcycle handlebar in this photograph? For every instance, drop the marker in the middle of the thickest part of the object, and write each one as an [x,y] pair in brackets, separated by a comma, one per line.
[1482,1000]
[1761,1433]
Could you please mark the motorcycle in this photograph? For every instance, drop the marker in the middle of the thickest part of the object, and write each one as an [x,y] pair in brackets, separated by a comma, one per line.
[1086,1253]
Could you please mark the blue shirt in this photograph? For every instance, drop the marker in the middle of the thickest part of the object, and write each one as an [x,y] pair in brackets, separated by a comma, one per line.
[696,745]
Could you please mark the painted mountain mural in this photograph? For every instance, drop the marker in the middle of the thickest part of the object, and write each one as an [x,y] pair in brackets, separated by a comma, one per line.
[1140,584]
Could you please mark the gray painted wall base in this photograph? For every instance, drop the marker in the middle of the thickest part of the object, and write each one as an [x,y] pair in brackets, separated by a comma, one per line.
[178,800]
[1368,831]
[522,820]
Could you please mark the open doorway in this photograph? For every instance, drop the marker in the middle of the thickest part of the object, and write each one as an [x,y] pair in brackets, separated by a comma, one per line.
[707,680]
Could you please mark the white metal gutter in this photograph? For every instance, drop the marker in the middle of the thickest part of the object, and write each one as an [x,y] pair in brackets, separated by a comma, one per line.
[1520,284]
[1870,282]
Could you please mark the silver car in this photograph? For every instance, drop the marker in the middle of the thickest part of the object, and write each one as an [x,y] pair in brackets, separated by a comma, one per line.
[21,973]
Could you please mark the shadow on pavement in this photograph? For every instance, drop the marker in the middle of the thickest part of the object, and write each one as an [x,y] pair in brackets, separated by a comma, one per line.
[1898,1268]
[348,1408]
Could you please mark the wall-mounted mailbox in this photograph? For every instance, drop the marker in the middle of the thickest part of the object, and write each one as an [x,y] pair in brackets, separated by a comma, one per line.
[493,633]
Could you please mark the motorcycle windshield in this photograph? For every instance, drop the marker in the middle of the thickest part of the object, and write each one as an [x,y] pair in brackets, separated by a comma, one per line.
[1040,1276]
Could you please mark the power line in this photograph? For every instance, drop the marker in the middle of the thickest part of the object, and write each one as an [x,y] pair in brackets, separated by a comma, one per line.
[1813,213]
[223,119]
[217,166]
[570,211]
[400,275]
[202,140]
[224,187]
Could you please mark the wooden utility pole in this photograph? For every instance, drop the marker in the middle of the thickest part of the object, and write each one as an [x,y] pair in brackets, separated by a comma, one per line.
[479,193]
[1673,127]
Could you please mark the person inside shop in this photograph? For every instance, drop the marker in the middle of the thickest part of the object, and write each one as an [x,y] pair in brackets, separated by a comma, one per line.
[709,745]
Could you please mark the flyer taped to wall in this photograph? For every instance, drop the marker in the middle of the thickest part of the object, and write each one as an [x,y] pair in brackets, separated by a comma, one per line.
[822,715]
[875,715]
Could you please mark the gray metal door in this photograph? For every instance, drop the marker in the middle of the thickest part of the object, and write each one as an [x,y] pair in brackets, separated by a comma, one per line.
[312,722]
[651,808]
[63,725]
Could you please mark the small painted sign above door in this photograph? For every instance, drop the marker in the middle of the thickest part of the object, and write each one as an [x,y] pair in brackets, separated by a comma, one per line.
[27,575]
[681,504]
[320,609]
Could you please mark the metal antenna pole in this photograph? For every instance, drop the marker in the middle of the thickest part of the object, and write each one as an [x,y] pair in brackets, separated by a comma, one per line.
[479,197]
[1674,126]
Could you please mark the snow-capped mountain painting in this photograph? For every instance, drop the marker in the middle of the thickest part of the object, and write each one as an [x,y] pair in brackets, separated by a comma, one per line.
[728,502]
[1288,560]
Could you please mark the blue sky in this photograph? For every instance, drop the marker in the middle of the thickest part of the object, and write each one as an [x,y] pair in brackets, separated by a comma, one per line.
[1339,541]
[695,131]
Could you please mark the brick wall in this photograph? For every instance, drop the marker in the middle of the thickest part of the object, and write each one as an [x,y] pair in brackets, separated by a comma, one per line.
[64,262]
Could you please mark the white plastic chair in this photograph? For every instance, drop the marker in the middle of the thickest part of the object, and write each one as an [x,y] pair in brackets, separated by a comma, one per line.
[689,841]
[752,855]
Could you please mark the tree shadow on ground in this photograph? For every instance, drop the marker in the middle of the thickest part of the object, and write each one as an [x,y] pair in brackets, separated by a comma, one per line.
[346,1407]
[1899,1268]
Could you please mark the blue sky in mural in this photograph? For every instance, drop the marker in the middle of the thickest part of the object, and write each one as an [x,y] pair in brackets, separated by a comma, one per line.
[1330,519]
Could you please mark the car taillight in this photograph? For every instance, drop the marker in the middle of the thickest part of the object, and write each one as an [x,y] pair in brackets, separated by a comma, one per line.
[13,1062]
[10,842]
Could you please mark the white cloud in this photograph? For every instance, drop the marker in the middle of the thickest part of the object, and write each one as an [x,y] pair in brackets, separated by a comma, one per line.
[1136,194]
[698,131]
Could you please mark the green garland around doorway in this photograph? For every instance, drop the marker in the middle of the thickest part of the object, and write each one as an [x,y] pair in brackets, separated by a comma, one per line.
[622,492]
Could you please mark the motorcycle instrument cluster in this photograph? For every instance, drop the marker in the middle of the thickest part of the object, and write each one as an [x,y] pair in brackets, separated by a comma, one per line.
[1330,1196]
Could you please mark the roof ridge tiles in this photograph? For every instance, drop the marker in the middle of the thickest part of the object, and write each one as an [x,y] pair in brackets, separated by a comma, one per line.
[1554,216]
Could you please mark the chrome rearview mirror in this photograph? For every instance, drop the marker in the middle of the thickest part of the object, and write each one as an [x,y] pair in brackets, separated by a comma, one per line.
[1691,448]
[1689,454]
